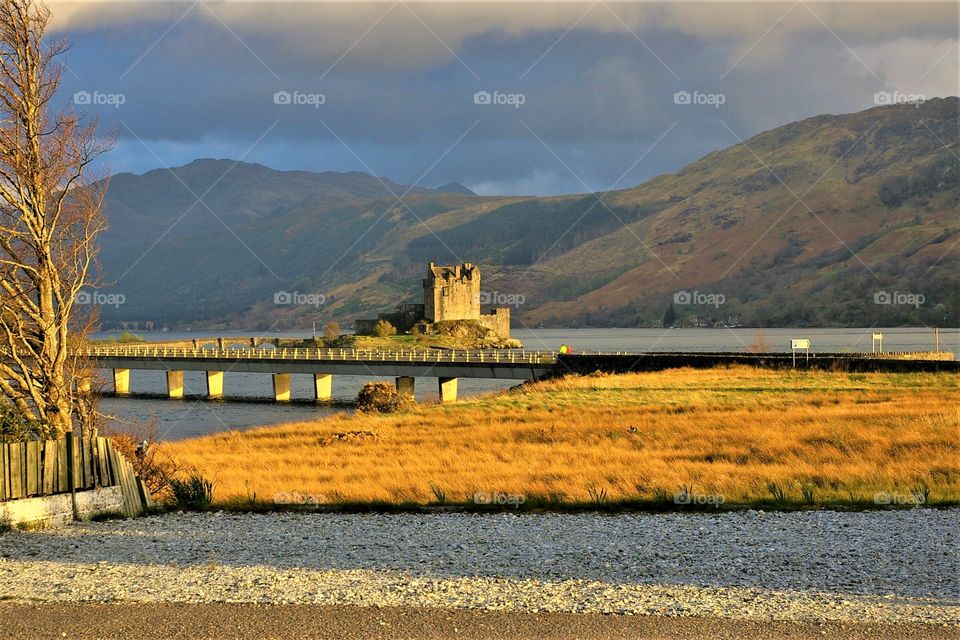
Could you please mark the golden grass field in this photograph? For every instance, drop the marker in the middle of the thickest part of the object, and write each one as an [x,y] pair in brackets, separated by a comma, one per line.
[632,438]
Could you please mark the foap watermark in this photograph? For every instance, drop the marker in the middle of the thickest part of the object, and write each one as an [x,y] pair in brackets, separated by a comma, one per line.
[698,500]
[881,98]
[696,297]
[299,98]
[497,98]
[295,497]
[299,299]
[495,498]
[914,300]
[98,99]
[500,299]
[899,499]
[698,98]
[100,299]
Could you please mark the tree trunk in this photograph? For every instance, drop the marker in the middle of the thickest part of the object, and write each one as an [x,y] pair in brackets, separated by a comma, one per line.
[49,219]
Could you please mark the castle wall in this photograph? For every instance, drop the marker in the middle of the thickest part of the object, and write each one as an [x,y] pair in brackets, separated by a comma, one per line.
[498,321]
[403,318]
[364,326]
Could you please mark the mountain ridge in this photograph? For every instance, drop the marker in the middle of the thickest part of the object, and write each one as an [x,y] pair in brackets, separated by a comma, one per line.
[801,224]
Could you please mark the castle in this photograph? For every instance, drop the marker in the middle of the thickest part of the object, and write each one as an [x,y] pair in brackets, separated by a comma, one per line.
[449,293]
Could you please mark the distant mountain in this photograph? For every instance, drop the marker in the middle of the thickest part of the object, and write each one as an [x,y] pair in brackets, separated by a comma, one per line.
[229,192]
[455,187]
[209,240]
[808,224]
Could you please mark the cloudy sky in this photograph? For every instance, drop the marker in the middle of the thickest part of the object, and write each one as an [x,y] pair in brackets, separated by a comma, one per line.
[507,98]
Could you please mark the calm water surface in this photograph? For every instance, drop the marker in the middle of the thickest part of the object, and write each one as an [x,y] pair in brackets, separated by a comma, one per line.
[195,416]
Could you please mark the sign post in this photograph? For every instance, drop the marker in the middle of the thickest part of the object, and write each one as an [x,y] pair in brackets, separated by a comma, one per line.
[802,343]
[877,346]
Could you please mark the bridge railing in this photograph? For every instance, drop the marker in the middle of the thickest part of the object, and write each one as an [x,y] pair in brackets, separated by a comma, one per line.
[499,356]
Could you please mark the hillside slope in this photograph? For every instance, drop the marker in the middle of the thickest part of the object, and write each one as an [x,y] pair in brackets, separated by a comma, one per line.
[804,224]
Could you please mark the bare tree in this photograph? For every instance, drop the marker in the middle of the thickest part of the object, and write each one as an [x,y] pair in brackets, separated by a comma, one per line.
[49,219]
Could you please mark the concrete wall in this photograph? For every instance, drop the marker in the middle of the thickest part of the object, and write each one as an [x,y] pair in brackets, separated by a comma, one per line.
[55,511]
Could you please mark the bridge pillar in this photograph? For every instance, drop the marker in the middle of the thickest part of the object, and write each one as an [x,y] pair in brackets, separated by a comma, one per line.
[215,384]
[322,386]
[281,387]
[448,389]
[175,384]
[121,381]
[405,387]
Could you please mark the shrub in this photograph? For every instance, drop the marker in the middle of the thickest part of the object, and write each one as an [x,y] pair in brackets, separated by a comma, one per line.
[331,331]
[438,493]
[470,329]
[16,427]
[598,495]
[921,494]
[779,493]
[140,444]
[194,493]
[383,329]
[381,397]
[346,341]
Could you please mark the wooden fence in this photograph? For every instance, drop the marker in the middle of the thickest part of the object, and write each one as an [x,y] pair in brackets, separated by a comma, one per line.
[48,467]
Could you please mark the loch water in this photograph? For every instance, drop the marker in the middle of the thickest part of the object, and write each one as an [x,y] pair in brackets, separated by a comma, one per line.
[249,402]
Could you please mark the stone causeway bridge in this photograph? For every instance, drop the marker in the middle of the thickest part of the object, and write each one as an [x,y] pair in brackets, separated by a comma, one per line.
[449,365]
[403,364]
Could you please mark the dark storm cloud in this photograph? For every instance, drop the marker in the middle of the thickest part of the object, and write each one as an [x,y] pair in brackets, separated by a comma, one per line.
[578,110]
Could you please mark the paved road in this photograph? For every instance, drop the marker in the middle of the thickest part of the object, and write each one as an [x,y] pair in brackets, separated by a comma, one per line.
[132,621]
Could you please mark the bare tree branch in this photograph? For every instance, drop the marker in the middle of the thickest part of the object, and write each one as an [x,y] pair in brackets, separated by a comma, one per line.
[50,215]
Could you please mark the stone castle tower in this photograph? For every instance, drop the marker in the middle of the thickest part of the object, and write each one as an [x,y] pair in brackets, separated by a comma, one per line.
[451,293]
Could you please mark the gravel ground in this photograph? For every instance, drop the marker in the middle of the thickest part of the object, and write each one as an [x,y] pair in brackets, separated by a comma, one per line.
[888,566]
[141,621]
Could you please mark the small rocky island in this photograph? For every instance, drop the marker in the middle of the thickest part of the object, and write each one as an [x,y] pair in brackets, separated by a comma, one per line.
[449,316]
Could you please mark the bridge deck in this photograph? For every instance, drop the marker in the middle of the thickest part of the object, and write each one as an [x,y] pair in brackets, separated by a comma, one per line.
[507,364]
